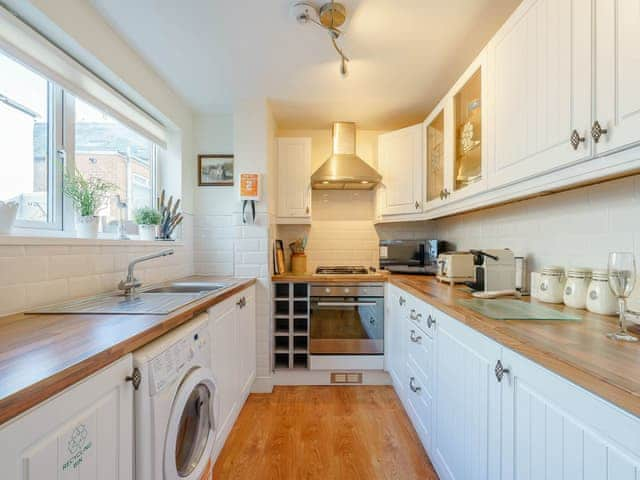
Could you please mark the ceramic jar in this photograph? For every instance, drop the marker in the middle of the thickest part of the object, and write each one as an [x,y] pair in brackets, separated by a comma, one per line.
[551,287]
[600,298]
[576,286]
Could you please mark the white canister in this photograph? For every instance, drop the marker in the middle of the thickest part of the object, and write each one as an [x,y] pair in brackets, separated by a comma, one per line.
[551,286]
[576,286]
[600,298]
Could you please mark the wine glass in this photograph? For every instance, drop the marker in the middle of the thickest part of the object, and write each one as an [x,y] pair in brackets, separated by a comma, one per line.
[622,279]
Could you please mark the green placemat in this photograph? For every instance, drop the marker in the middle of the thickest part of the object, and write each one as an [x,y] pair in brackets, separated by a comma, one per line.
[504,309]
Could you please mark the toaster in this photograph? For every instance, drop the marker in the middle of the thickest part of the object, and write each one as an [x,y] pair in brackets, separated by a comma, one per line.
[455,267]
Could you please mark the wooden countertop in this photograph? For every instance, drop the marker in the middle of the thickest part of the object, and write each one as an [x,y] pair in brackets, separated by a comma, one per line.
[42,354]
[315,278]
[577,351]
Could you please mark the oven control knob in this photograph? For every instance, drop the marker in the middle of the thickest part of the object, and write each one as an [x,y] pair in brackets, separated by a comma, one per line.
[327,290]
[346,290]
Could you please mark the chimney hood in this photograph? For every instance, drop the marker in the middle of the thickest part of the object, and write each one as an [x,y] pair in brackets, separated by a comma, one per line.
[344,170]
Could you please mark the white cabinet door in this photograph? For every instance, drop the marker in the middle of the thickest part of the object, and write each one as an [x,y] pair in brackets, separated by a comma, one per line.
[247,340]
[555,430]
[540,85]
[396,329]
[466,438]
[85,433]
[294,178]
[617,92]
[400,162]
[224,359]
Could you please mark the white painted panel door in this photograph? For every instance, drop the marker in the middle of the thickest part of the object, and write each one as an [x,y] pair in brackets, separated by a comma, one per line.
[400,162]
[225,363]
[247,339]
[86,433]
[294,177]
[466,438]
[396,326]
[540,85]
[617,92]
[553,429]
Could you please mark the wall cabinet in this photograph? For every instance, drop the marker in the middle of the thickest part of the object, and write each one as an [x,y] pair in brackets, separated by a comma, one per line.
[84,433]
[233,350]
[490,413]
[400,163]
[294,180]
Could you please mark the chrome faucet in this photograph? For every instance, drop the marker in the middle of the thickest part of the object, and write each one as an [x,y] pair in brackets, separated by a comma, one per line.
[130,284]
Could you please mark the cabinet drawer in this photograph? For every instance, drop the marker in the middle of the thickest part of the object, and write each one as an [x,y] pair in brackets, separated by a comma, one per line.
[421,315]
[419,348]
[419,404]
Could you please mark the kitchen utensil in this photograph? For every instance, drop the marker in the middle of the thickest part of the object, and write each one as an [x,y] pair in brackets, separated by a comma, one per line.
[506,309]
[622,279]
[495,294]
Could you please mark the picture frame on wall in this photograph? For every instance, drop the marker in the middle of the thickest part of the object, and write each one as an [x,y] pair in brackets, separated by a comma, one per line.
[215,170]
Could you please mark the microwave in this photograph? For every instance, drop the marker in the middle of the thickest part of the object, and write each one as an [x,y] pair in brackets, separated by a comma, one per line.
[412,256]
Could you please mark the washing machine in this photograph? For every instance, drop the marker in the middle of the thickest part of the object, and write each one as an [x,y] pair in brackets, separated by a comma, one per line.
[176,405]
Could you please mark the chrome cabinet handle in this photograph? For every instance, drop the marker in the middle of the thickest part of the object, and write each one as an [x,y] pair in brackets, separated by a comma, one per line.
[500,371]
[307,210]
[430,321]
[576,139]
[417,204]
[413,387]
[597,131]
[442,194]
[372,320]
[415,338]
[135,378]
[412,314]
[242,302]
[402,301]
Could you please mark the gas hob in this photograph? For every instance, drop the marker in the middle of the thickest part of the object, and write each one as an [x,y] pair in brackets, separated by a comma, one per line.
[343,270]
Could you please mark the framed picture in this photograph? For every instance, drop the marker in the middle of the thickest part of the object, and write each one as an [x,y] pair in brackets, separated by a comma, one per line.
[215,170]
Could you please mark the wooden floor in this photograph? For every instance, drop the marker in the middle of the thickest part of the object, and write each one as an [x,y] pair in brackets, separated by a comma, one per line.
[351,433]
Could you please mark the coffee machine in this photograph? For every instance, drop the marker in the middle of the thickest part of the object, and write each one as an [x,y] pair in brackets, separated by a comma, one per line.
[493,270]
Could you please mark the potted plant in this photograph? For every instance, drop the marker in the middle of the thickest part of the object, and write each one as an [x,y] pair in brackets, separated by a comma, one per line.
[148,220]
[88,196]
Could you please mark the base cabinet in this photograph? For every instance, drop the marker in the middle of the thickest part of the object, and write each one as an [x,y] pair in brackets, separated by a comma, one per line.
[489,413]
[233,333]
[84,433]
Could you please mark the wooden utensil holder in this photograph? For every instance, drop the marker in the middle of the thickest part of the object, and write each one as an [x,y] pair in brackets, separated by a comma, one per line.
[298,263]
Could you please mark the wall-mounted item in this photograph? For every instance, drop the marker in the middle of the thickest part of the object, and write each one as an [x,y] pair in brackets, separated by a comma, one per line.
[215,170]
[171,218]
[250,192]
[8,212]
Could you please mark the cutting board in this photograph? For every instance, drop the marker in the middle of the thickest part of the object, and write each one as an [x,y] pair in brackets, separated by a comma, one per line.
[508,309]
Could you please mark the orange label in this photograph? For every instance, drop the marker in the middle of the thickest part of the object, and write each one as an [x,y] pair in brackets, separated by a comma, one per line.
[249,184]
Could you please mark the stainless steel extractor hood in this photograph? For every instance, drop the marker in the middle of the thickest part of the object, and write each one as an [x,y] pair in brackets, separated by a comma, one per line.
[344,170]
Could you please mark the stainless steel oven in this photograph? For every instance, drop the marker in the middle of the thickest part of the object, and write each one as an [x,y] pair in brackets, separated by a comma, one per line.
[347,319]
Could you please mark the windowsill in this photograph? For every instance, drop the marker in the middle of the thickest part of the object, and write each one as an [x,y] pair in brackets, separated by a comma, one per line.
[44,237]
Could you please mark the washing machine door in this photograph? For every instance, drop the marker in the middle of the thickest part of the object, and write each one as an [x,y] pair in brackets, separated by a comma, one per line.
[191,429]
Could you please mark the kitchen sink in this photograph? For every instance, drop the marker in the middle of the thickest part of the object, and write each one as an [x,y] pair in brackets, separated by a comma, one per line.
[155,301]
[189,287]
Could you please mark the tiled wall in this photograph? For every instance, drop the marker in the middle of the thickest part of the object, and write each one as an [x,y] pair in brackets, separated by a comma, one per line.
[33,275]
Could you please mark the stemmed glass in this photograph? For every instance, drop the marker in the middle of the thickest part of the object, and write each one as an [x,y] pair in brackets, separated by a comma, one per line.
[622,279]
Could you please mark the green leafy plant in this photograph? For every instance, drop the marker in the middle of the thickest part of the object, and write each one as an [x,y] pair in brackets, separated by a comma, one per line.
[87,194]
[147,216]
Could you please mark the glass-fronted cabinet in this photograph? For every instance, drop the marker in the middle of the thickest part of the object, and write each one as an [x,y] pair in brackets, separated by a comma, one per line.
[467,110]
[435,149]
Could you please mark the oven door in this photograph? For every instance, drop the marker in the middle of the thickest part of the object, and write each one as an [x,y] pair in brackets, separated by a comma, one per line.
[346,326]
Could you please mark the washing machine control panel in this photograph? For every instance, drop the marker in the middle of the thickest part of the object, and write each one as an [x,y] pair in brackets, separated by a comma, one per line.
[166,367]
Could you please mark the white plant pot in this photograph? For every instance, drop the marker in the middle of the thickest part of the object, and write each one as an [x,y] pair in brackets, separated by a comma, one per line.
[147,232]
[8,212]
[87,227]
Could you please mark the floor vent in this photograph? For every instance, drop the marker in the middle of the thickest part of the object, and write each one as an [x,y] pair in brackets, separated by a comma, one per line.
[346,377]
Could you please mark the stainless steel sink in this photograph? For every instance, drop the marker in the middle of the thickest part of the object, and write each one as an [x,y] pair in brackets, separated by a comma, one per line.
[156,301]
[189,287]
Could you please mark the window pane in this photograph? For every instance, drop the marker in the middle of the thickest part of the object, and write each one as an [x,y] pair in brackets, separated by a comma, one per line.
[24,136]
[109,150]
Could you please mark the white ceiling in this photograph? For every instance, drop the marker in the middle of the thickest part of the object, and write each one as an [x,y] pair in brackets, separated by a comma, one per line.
[405,54]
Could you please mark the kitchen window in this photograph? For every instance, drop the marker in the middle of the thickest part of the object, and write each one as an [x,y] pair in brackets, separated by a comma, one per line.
[45,129]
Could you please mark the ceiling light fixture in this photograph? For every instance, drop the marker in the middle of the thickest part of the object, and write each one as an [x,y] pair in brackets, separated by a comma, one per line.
[330,16]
